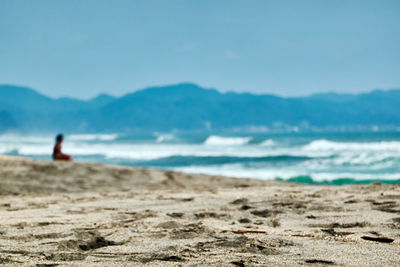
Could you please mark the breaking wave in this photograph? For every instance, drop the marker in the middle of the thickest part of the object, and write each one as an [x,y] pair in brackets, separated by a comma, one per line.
[227,141]
[324,145]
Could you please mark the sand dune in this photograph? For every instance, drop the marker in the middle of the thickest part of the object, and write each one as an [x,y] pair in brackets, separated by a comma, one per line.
[98,215]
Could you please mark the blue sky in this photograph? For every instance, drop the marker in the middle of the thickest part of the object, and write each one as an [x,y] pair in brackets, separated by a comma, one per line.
[82,48]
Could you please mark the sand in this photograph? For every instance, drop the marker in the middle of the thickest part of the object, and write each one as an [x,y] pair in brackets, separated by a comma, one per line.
[57,214]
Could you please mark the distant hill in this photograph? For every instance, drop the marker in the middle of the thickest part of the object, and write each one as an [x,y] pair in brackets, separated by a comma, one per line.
[188,107]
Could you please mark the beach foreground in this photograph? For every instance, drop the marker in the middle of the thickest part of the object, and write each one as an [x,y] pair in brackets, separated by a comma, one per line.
[55,214]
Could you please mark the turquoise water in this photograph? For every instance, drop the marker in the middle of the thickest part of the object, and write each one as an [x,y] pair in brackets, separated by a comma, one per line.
[311,158]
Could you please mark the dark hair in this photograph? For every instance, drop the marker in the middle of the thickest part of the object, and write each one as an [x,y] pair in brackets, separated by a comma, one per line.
[59,137]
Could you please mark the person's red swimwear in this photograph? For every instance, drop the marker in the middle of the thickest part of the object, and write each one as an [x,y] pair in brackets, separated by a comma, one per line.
[57,154]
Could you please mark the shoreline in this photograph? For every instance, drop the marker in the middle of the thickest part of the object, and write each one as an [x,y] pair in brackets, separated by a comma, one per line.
[61,213]
[299,179]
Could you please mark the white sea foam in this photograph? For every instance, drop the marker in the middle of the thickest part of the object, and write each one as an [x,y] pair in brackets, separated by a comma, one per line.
[268,142]
[136,151]
[215,140]
[236,170]
[364,158]
[157,151]
[325,145]
[92,137]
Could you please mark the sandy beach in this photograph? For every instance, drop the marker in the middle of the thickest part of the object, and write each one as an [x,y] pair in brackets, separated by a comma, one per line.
[57,214]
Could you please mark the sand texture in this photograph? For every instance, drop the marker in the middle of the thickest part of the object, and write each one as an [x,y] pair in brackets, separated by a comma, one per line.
[58,214]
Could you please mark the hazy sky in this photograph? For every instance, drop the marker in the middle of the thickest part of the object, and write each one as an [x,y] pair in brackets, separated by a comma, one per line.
[82,48]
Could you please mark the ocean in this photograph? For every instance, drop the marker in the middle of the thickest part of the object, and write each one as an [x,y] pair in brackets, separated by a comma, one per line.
[312,158]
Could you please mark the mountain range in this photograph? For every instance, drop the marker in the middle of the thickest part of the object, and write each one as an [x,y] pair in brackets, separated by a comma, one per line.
[188,107]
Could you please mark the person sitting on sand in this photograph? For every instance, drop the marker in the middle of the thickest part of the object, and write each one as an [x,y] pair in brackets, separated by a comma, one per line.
[57,154]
